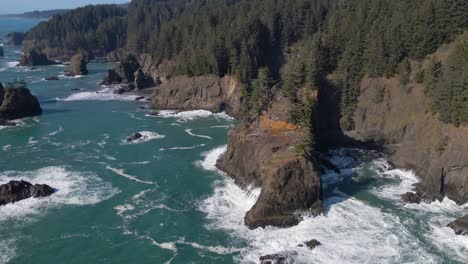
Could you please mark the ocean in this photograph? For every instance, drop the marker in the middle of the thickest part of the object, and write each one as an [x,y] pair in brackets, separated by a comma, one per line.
[161,199]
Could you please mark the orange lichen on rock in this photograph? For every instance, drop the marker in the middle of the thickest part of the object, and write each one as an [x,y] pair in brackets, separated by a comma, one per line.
[276,125]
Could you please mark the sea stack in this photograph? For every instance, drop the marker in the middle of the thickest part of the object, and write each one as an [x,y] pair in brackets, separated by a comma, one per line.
[35,58]
[78,65]
[15,191]
[15,38]
[17,102]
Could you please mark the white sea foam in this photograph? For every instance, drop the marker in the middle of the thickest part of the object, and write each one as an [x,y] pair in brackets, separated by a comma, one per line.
[73,188]
[7,250]
[31,141]
[192,115]
[186,148]
[209,162]
[105,94]
[12,64]
[63,76]
[122,173]
[146,136]
[189,131]
[59,130]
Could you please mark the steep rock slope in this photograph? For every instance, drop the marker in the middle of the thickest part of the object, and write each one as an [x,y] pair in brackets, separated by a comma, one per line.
[267,153]
[399,116]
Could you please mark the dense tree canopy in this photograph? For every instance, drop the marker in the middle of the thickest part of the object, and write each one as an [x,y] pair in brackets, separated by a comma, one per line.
[262,42]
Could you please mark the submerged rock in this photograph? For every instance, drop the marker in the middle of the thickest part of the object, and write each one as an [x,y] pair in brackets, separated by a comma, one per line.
[18,103]
[134,137]
[15,191]
[411,197]
[123,89]
[52,78]
[78,65]
[279,258]
[35,58]
[139,98]
[313,244]
[460,226]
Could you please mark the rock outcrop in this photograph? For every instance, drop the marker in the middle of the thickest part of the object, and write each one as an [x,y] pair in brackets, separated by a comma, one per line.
[123,73]
[35,58]
[15,38]
[15,191]
[268,153]
[143,81]
[204,92]
[78,65]
[460,226]
[116,55]
[18,103]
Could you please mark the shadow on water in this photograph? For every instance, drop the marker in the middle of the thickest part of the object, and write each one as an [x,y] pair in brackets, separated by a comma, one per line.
[349,173]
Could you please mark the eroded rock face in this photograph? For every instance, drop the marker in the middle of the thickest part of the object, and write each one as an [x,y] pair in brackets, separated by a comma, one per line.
[143,81]
[417,140]
[123,73]
[267,153]
[35,58]
[204,92]
[78,65]
[460,226]
[15,191]
[15,38]
[18,103]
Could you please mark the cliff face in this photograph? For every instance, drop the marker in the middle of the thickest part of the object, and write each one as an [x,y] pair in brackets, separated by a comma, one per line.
[398,116]
[205,92]
[267,153]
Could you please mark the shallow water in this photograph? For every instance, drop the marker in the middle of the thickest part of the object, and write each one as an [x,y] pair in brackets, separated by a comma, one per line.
[161,199]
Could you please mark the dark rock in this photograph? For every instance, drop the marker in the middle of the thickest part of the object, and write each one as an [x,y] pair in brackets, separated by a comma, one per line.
[76,89]
[134,137]
[143,81]
[123,89]
[141,107]
[111,77]
[35,58]
[4,122]
[52,78]
[139,98]
[18,103]
[411,197]
[154,114]
[330,166]
[78,65]
[15,38]
[313,243]
[2,52]
[116,55]
[15,191]
[460,226]
[280,258]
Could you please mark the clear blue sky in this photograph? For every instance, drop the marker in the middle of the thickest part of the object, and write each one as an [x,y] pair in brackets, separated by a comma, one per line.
[20,6]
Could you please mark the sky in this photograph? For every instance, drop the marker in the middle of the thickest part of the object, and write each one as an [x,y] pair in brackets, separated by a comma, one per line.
[20,6]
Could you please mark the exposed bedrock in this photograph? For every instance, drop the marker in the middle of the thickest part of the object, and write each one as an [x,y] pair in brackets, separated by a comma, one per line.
[204,92]
[15,191]
[267,153]
[460,226]
[78,65]
[35,58]
[415,138]
[17,103]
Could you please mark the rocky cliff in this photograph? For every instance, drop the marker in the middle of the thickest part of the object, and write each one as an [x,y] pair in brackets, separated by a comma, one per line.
[15,38]
[268,153]
[398,116]
[17,103]
[205,92]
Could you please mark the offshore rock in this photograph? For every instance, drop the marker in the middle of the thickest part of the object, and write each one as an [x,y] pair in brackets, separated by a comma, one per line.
[15,38]
[78,65]
[18,103]
[134,137]
[460,226]
[15,191]
[35,58]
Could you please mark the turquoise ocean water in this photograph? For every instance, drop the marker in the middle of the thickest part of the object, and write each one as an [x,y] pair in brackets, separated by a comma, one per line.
[161,200]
